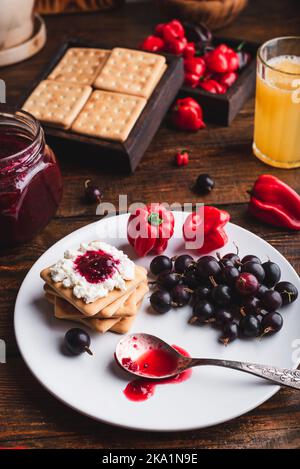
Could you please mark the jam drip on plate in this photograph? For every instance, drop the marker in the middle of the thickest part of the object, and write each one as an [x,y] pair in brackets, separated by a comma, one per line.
[158,363]
[96,266]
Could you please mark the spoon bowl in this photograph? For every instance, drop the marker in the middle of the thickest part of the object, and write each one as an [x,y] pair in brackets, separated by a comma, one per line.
[134,351]
[148,356]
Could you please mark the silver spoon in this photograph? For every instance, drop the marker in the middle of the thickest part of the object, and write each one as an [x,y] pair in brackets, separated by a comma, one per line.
[133,346]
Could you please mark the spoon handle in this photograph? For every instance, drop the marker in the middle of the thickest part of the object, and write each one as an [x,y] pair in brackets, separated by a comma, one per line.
[281,376]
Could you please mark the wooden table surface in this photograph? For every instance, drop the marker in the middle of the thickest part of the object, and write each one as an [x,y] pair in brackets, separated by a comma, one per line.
[28,414]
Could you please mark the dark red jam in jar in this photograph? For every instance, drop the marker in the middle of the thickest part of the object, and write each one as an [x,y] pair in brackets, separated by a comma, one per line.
[30,179]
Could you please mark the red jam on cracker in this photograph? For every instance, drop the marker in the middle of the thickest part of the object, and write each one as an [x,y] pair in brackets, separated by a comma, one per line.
[96,266]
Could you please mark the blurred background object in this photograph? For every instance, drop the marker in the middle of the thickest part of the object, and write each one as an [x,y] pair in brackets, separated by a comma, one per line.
[22,33]
[48,7]
[16,22]
[214,13]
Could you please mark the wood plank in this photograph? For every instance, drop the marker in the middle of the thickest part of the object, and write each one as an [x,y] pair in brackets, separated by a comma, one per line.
[30,416]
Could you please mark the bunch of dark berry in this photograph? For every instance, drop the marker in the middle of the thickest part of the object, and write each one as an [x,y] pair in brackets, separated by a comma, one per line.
[241,297]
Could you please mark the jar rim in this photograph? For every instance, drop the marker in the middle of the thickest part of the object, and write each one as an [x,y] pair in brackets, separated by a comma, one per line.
[30,122]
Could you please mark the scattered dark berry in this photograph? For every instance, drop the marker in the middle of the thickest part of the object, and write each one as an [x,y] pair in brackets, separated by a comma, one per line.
[204,184]
[77,341]
[288,292]
[92,193]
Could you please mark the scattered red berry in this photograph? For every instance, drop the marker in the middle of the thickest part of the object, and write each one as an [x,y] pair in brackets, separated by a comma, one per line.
[182,158]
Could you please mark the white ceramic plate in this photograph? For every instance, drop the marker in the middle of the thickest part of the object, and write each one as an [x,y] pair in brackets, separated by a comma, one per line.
[94,385]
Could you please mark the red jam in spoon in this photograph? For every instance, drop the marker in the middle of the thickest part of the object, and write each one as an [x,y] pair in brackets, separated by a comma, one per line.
[96,266]
[158,363]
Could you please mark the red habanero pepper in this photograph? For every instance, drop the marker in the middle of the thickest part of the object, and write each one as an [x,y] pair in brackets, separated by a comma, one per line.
[187,114]
[212,86]
[172,30]
[191,79]
[216,60]
[153,44]
[222,59]
[227,79]
[149,228]
[275,203]
[159,29]
[176,46]
[208,227]
[182,158]
[190,50]
[195,65]
[233,60]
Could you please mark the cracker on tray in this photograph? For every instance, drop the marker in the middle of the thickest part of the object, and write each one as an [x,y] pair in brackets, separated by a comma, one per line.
[80,65]
[109,115]
[132,72]
[57,103]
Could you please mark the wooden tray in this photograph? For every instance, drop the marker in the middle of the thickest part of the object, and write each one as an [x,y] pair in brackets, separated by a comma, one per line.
[116,156]
[222,108]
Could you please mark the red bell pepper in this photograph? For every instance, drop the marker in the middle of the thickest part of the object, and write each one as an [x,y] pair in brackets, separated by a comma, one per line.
[187,114]
[206,229]
[275,203]
[150,228]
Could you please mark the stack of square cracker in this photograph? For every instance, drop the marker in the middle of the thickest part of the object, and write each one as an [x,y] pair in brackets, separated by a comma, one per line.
[97,92]
[115,312]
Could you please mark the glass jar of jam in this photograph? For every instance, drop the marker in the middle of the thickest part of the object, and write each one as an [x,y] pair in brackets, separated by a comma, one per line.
[30,179]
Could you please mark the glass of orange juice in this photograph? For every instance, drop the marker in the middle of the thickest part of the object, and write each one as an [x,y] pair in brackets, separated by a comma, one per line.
[277,105]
